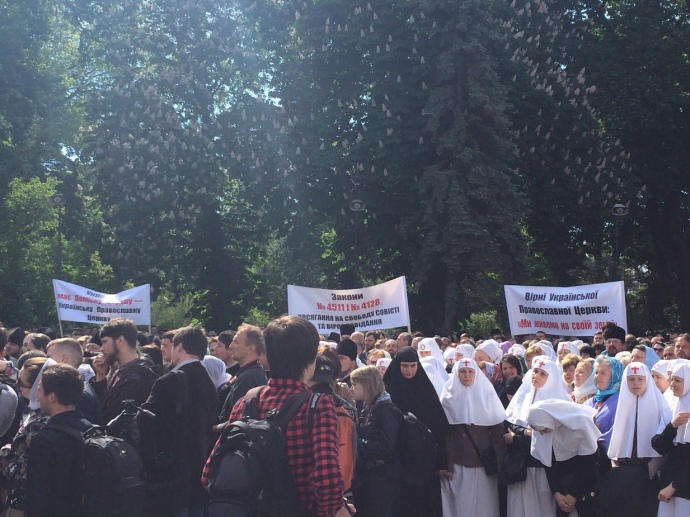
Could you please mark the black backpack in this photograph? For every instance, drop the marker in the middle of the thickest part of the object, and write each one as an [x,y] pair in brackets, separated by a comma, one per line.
[418,451]
[249,474]
[112,474]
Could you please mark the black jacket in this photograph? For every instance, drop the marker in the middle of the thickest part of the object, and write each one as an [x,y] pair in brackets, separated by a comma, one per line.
[54,488]
[89,405]
[578,477]
[248,377]
[165,434]
[676,468]
[132,381]
[378,439]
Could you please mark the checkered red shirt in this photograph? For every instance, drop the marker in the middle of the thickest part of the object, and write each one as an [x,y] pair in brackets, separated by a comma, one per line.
[312,455]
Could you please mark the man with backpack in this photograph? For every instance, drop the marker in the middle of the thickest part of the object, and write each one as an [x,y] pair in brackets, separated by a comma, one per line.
[55,487]
[310,436]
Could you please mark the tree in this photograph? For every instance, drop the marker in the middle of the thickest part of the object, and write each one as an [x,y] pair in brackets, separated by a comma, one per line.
[636,54]
[27,255]
[160,145]
[389,103]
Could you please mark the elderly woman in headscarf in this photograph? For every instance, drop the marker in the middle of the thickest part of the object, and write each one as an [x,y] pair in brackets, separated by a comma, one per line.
[584,386]
[475,415]
[644,354]
[412,391]
[565,441]
[608,373]
[641,414]
[432,361]
[532,497]
[674,442]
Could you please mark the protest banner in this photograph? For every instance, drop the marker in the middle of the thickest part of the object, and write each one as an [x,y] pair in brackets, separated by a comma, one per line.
[83,305]
[565,311]
[369,308]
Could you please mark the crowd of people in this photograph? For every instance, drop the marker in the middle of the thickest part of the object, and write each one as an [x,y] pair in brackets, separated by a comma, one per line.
[508,427]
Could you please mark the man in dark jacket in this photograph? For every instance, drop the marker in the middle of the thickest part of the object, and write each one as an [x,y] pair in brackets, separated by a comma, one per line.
[54,467]
[246,347]
[183,403]
[132,380]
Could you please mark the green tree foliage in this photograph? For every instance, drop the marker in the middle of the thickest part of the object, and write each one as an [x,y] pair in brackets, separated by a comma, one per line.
[214,149]
[399,105]
[28,255]
[637,55]
[481,323]
[160,143]
[168,313]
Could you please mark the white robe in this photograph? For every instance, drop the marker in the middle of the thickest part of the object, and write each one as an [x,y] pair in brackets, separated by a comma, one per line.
[676,507]
[531,497]
[471,493]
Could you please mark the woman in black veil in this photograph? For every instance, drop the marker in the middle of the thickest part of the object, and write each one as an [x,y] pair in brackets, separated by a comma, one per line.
[412,391]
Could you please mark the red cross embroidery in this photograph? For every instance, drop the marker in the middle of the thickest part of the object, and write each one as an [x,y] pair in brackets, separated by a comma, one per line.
[466,362]
[562,346]
[541,364]
[634,369]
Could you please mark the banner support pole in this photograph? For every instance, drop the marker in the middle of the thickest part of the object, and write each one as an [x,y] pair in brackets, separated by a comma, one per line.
[60,323]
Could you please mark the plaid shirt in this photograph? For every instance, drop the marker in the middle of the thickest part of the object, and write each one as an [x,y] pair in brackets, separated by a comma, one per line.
[312,454]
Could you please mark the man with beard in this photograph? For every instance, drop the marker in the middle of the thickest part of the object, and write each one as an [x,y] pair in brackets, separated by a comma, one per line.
[682,346]
[131,379]
[614,339]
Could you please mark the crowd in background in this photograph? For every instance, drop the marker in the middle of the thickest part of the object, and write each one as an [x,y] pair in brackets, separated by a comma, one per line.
[530,426]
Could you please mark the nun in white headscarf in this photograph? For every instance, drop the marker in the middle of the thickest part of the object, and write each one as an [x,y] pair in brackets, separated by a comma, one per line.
[532,497]
[476,416]
[674,442]
[547,348]
[449,358]
[517,349]
[565,441]
[565,348]
[488,356]
[489,351]
[431,358]
[642,413]
[216,370]
[464,351]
